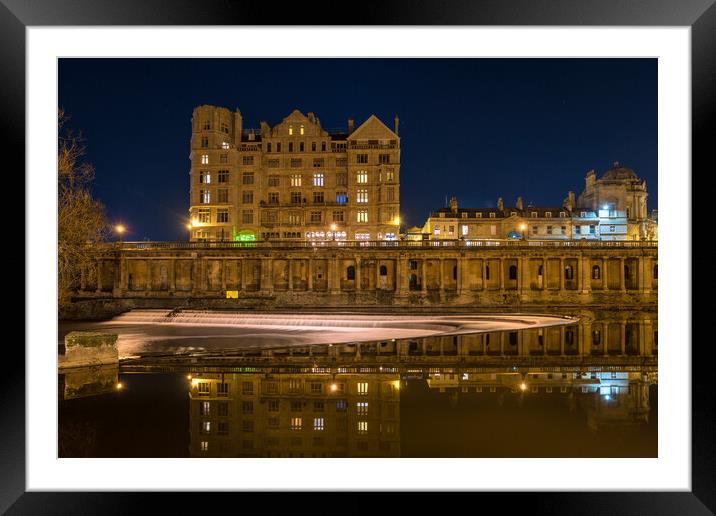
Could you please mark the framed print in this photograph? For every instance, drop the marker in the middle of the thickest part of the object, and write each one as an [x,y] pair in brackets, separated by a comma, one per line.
[384,266]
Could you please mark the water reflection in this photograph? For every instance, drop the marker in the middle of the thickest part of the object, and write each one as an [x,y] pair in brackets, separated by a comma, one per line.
[580,390]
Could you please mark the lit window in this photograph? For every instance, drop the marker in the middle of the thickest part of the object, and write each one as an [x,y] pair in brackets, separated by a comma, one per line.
[225,145]
[362,427]
[362,216]
[206,427]
[548,214]
[204,159]
[362,387]
[295,179]
[341,197]
[204,387]
[362,196]
[205,196]
[205,408]
[204,216]
[318,423]
[290,130]
[301,129]
[204,177]
[317,179]
[492,215]
[362,408]
[362,236]
[296,423]
[204,446]
[222,216]
[464,229]
[362,177]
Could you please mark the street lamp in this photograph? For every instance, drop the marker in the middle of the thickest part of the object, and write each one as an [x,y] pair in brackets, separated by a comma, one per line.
[119,228]
[523,228]
[333,231]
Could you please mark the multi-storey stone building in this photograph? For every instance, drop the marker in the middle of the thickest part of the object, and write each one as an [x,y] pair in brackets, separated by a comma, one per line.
[292,181]
[610,208]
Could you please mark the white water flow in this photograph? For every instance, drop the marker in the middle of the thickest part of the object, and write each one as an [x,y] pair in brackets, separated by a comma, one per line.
[202,330]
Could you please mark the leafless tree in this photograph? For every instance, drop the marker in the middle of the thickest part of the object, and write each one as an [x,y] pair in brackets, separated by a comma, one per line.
[81,220]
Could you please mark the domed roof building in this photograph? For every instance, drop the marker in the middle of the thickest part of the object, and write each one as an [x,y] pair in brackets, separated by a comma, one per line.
[619,173]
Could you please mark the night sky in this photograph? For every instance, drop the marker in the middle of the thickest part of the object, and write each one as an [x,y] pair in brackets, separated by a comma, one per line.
[478,129]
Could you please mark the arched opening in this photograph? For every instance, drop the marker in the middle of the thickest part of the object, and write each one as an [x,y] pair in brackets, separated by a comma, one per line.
[568,272]
[513,272]
[351,272]
[487,272]
[596,272]
[454,272]
[383,270]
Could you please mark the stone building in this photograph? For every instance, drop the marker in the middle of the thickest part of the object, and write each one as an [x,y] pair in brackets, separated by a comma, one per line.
[293,181]
[610,208]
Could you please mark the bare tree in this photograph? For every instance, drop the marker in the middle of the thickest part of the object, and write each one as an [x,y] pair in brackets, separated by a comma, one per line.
[81,220]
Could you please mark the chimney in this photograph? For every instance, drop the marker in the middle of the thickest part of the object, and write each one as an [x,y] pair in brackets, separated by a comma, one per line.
[351,125]
[397,123]
[453,204]
[238,127]
[500,204]
[519,203]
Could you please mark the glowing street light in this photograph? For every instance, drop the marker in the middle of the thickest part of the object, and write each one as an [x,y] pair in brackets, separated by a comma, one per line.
[333,230]
[523,386]
[119,228]
[523,229]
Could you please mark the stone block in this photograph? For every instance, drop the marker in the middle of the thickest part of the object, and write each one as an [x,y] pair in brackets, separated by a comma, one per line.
[84,348]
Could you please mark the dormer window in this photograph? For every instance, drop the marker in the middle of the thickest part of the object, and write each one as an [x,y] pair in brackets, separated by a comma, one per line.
[492,214]
[478,215]
[290,130]
[562,214]
[513,214]
[464,214]
[533,214]
[301,130]
[548,214]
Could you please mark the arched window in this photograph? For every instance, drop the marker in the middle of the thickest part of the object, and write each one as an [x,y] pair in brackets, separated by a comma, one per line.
[569,337]
[656,271]
[454,273]
[596,337]
[626,272]
[513,272]
[383,270]
[568,272]
[540,271]
[596,272]
[351,272]
[487,272]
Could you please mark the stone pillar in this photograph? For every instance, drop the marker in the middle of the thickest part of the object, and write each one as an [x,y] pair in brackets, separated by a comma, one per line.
[424,274]
[310,275]
[242,269]
[195,274]
[223,277]
[605,273]
[543,283]
[561,274]
[401,268]
[460,263]
[622,281]
[441,279]
[586,274]
[501,272]
[642,273]
[266,284]
[290,274]
[523,273]
[358,273]
[582,332]
[149,274]
[333,277]
[484,279]
[561,340]
[123,276]
[622,337]
[99,276]
[172,275]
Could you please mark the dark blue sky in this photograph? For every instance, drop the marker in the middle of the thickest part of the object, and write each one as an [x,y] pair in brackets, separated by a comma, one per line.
[475,128]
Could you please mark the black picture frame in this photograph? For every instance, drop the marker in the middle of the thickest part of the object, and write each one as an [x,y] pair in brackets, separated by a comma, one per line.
[700,15]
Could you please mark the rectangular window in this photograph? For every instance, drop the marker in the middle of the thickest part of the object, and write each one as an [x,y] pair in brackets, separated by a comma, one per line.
[315,216]
[362,177]
[290,144]
[318,162]
[384,159]
[317,179]
[338,216]
[247,216]
[204,159]
[362,236]
[362,427]
[362,408]
[247,160]
[222,428]
[247,387]
[225,145]
[273,180]
[362,196]
[207,125]
[204,446]
[295,179]
[549,230]
[533,214]
[247,425]
[273,197]
[296,163]
[323,146]
[562,214]
[223,176]
[268,147]
[222,389]
[548,214]
[318,406]
[362,216]
[361,158]
[316,387]
[317,197]
[492,214]
[296,423]
[390,194]
[341,405]
[273,405]
[247,178]
[564,230]
[278,146]
[247,407]
[205,427]
[205,196]
[274,163]
[577,230]
[224,127]
[592,229]
[222,216]
[247,197]
[205,408]
[341,179]
[534,230]
[222,195]
[223,158]
[204,388]
[341,197]
[204,216]
[295,197]
[301,144]
[204,142]
[318,424]
[464,230]
[223,409]
[362,388]
[204,177]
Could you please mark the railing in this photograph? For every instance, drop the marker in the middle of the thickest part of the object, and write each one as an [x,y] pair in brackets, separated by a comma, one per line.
[381,244]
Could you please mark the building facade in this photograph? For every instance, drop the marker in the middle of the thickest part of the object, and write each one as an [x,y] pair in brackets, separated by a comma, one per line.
[610,208]
[293,181]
